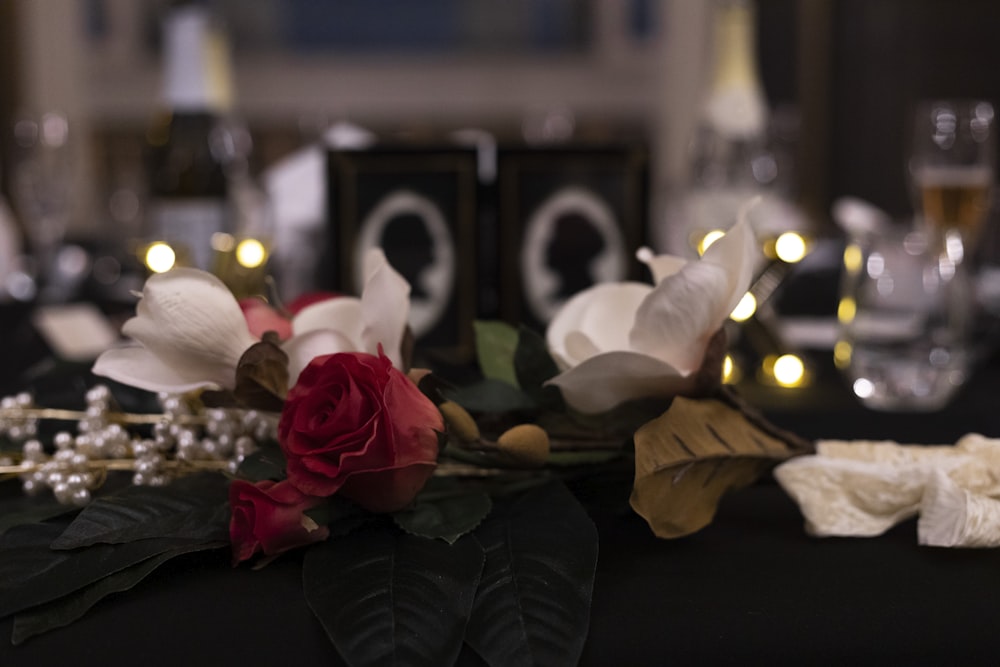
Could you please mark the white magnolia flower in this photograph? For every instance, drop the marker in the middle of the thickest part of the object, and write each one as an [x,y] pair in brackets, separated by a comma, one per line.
[349,324]
[616,342]
[191,334]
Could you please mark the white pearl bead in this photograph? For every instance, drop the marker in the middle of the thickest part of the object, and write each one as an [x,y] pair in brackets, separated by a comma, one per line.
[33,450]
[80,497]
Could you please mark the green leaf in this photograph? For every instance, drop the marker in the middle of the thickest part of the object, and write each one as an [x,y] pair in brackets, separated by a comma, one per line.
[25,553]
[194,507]
[388,598]
[32,574]
[268,462]
[534,366]
[29,509]
[533,602]
[447,518]
[339,515]
[65,610]
[495,346]
[492,396]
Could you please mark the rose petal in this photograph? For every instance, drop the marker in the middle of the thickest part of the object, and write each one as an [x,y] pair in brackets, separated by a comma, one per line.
[261,318]
[385,307]
[602,382]
[305,347]
[138,367]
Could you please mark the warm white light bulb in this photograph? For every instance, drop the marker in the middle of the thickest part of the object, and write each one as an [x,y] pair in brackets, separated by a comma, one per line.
[250,253]
[745,309]
[160,257]
[789,371]
[790,247]
[708,239]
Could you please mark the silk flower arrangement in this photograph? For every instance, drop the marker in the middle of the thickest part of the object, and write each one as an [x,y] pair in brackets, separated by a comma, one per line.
[451,498]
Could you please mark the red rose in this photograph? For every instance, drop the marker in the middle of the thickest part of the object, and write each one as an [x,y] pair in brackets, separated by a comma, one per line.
[354,424]
[269,516]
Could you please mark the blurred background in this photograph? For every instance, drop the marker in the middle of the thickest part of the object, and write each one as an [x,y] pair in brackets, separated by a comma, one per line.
[838,74]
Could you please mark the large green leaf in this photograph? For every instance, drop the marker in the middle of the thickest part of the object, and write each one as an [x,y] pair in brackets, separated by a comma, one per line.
[194,507]
[532,362]
[388,598]
[31,509]
[25,553]
[447,518]
[493,396]
[65,610]
[32,574]
[533,602]
[495,346]
[534,365]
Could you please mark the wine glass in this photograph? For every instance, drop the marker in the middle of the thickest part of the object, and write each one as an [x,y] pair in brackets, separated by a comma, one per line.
[952,171]
[40,188]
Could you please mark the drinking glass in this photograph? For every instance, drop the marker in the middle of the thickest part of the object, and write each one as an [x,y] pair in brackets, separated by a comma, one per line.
[906,315]
[951,171]
[40,188]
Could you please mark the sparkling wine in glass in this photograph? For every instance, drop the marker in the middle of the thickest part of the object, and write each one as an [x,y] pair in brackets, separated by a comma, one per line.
[952,167]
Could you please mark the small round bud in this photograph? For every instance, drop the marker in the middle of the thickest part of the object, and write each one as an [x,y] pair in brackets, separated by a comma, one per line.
[527,444]
[459,421]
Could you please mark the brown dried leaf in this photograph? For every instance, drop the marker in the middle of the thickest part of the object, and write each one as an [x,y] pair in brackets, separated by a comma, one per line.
[262,375]
[688,458]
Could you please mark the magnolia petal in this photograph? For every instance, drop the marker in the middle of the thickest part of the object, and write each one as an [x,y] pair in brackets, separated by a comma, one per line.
[677,318]
[303,348]
[660,266]
[385,307]
[602,382]
[579,346]
[737,253]
[189,317]
[598,312]
[342,315]
[138,367]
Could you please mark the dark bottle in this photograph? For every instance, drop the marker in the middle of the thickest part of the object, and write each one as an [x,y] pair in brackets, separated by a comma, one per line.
[188,144]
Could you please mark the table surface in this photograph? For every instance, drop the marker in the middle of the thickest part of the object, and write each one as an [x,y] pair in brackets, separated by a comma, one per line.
[750,586]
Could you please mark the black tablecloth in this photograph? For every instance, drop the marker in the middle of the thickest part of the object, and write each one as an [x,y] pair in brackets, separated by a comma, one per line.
[750,587]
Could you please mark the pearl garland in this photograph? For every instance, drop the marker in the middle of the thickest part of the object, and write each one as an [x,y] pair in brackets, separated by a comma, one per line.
[183,438]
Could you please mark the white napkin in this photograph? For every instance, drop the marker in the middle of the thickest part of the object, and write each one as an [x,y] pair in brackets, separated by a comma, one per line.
[863,488]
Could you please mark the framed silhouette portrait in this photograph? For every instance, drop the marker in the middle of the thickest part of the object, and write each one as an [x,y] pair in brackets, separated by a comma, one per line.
[569,219]
[420,207]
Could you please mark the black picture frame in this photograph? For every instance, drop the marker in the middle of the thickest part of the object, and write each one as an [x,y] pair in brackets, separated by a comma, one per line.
[376,197]
[604,188]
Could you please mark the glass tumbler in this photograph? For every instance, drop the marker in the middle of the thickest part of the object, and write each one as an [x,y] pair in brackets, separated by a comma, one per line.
[906,318]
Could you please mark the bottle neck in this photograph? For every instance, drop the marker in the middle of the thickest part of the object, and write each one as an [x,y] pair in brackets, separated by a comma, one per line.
[736,105]
[196,74]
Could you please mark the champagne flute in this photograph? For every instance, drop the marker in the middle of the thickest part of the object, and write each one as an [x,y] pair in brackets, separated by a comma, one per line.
[952,171]
[40,185]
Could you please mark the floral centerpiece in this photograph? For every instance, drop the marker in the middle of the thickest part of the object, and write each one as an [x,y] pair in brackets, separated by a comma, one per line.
[314,432]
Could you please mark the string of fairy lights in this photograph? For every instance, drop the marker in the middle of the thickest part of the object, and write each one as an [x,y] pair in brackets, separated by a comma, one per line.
[238,259]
